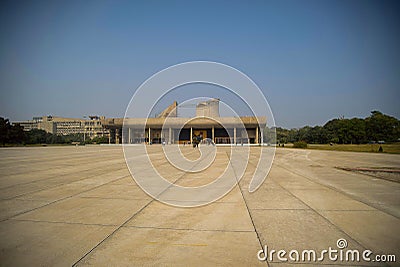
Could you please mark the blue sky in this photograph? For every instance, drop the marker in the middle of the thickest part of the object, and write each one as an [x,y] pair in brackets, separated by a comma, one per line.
[314,60]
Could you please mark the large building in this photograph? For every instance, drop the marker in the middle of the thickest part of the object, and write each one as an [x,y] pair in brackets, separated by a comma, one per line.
[165,127]
[169,128]
[30,124]
[90,127]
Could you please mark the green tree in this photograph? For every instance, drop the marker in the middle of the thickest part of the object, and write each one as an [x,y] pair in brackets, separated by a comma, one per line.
[16,134]
[282,135]
[36,136]
[100,140]
[338,130]
[4,130]
[318,135]
[382,127]
[11,134]
[356,131]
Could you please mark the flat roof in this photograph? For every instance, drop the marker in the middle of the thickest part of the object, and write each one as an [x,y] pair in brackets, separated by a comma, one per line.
[188,122]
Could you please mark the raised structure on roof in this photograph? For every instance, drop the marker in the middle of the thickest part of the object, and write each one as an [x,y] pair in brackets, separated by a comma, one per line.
[169,128]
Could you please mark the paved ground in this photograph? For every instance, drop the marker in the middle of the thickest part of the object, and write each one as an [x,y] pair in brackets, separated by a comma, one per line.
[78,205]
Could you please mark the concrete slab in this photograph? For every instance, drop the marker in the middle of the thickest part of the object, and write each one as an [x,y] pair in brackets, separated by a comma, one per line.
[327,199]
[69,188]
[272,197]
[117,191]
[231,216]
[26,243]
[373,229]
[12,207]
[157,247]
[299,230]
[98,211]
[80,205]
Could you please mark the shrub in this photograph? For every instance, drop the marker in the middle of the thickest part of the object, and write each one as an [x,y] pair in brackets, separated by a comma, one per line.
[300,144]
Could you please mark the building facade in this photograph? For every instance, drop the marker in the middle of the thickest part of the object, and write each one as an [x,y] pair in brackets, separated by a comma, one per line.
[171,129]
[91,127]
[165,127]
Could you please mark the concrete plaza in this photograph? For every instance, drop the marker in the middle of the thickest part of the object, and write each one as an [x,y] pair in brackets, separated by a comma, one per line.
[63,206]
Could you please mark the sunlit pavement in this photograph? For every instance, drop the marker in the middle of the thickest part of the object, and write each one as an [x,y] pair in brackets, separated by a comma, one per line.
[79,205]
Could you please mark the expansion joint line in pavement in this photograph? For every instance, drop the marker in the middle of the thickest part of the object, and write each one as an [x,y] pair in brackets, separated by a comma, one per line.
[189,229]
[353,197]
[369,174]
[316,211]
[130,218]
[64,198]
[57,200]
[338,190]
[246,204]
[48,178]
[310,208]
[55,186]
[64,163]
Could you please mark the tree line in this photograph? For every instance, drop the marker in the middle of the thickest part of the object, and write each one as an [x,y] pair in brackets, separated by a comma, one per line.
[15,135]
[376,127]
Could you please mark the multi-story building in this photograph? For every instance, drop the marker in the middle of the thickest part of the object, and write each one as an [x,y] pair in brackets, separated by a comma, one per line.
[91,127]
[30,124]
[94,127]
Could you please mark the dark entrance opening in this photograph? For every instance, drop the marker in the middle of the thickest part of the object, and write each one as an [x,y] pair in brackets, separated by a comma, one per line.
[221,132]
[184,135]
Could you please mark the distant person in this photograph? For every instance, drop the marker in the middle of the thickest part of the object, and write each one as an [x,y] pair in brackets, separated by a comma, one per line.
[195,141]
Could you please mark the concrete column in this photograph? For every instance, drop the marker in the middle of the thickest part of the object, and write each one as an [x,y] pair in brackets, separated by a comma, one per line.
[116,135]
[169,136]
[149,135]
[129,135]
[262,135]
[212,134]
[191,135]
[234,135]
[109,136]
[256,141]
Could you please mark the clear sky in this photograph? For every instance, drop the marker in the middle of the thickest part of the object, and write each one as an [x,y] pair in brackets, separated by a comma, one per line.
[314,60]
